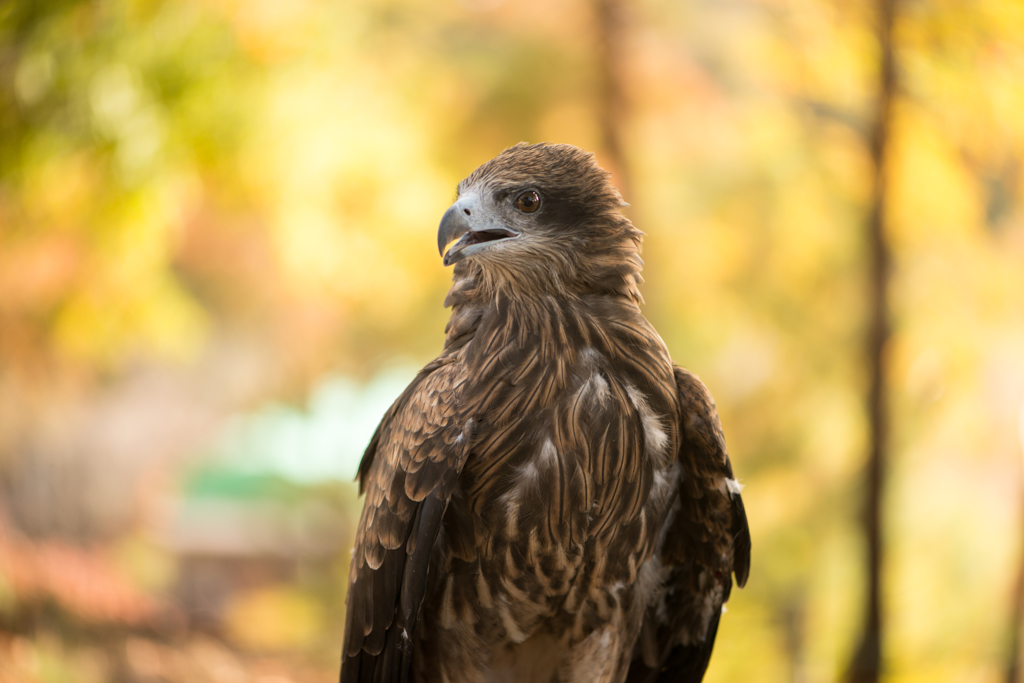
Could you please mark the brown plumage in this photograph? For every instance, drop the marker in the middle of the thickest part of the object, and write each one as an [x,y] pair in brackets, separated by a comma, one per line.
[550,499]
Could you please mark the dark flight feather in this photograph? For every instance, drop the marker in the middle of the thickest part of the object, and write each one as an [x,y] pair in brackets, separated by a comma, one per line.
[551,499]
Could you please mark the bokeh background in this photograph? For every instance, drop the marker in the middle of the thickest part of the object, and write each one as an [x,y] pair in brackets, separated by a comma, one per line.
[218,268]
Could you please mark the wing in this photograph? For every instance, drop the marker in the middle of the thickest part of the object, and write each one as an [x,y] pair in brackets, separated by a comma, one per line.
[706,541]
[408,473]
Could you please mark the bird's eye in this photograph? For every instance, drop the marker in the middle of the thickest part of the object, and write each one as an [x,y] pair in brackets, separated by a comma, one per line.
[528,202]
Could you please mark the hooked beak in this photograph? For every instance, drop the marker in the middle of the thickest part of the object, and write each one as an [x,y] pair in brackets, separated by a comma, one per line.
[474,231]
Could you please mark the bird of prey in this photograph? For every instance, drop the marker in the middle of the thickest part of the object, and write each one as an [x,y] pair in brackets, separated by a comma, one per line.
[550,500]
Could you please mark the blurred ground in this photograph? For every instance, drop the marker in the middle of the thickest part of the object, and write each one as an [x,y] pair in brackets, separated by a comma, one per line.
[217,269]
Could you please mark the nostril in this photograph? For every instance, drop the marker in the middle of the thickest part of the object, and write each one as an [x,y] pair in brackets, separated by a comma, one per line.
[466,211]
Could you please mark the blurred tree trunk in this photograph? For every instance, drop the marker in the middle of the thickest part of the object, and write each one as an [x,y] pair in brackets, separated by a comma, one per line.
[611,29]
[1017,609]
[867,659]
[1013,657]
[794,621]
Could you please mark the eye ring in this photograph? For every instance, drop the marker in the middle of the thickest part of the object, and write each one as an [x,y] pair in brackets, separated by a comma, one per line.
[528,201]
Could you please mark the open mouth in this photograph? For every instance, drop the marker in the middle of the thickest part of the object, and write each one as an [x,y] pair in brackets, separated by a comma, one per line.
[475,238]
[481,236]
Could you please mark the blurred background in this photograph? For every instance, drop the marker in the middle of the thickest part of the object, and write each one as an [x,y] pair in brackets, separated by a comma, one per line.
[218,268]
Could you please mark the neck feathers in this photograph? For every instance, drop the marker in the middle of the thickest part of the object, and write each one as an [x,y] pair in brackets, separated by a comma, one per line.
[601,262]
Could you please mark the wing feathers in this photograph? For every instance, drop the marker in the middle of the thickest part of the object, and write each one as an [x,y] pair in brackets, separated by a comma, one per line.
[414,581]
[706,541]
[408,474]
[740,541]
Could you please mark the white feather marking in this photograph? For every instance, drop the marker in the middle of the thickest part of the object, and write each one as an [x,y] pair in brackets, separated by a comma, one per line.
[511,627]
[529,474]
[660,489]
[548,453]
[510,497]
[599,385]
[734,486]
[655,435]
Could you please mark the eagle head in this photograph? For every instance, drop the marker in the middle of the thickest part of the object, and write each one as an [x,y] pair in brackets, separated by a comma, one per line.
[542,218]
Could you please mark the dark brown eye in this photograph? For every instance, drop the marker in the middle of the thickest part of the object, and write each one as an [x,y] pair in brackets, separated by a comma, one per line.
[528,202]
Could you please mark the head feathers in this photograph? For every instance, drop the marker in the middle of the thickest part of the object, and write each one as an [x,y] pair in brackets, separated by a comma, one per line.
[576,243]
[563,170]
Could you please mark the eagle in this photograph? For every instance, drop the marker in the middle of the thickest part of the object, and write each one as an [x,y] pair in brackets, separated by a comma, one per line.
[550,499]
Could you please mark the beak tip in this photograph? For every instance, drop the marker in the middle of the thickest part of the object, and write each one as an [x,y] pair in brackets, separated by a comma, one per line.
[453,226]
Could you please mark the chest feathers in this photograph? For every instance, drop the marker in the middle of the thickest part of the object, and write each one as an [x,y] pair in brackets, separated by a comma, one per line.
[560,502]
